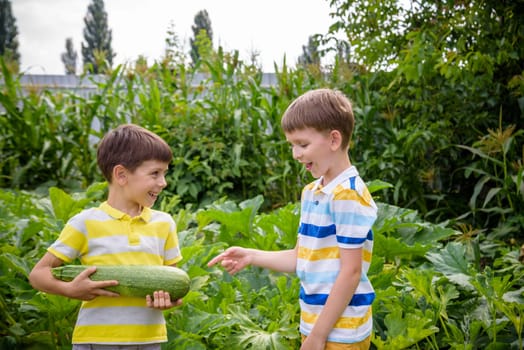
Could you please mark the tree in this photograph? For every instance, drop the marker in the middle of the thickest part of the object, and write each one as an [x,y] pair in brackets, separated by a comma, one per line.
[453,71]
[202,26]
[310,54]
[97,53]
[174,54]
[344,51]
[8,33]
[69,57]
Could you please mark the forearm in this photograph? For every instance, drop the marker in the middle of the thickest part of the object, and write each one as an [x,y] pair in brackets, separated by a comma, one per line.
[339,297]
[42,279]
[341,293]
[281,261]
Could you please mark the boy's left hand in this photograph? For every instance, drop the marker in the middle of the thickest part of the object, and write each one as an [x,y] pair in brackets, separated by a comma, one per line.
[161,300]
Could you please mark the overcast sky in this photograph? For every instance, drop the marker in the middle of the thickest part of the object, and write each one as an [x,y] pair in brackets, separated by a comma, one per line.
[271,27]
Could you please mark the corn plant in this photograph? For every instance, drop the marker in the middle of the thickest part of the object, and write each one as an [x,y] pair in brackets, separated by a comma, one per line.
[498,168]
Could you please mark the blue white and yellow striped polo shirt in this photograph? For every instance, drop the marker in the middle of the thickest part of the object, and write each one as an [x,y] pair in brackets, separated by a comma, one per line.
[339,215]
[107,236]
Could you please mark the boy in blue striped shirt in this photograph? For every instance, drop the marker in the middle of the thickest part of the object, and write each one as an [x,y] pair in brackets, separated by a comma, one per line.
[335,240]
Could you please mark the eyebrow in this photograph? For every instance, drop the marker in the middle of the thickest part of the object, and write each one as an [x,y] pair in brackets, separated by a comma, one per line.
[299,141]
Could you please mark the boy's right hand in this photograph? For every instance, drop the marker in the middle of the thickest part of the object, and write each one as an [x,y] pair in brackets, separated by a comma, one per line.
[232,259]
[83,288]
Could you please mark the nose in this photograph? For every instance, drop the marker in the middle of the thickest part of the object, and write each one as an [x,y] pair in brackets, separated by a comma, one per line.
[163,182]
[296,152]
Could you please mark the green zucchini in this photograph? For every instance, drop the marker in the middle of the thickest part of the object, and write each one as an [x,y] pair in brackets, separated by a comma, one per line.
[133,280]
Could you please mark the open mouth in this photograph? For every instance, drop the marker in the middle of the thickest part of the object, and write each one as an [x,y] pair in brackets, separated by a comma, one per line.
[153,195]
[308,166]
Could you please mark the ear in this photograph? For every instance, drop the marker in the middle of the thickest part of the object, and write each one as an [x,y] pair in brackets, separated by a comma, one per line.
[336,139]
[120,174]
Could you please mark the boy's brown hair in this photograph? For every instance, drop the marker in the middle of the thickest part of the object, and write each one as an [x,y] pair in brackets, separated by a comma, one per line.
[130,145]
[323,110]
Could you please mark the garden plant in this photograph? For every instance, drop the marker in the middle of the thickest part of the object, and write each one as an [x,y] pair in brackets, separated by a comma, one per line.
[439,134]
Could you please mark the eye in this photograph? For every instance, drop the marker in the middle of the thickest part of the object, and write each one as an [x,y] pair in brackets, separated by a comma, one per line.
[160,172]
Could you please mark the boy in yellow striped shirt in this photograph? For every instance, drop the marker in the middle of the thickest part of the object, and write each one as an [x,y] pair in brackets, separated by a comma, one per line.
[123,230]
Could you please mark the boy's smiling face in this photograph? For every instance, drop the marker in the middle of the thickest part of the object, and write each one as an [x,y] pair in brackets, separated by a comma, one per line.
[315,149]
[145,183]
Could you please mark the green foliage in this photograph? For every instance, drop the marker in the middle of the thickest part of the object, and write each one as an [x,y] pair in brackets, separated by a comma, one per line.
[438,94]
[29,320]
[310,54]
[441,74]
[499,190]
[222,120]
[430,291]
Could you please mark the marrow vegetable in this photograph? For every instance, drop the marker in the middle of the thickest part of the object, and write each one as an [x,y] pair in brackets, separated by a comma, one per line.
[133,280]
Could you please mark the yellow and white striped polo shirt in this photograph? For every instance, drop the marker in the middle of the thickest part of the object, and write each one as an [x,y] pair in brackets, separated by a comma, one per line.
[107,236]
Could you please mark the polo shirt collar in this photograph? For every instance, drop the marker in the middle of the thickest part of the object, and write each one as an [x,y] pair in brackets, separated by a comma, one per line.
[343,176]
[117,214]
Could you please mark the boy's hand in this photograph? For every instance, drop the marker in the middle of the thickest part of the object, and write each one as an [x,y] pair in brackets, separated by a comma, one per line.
[232,260]
[313,343]
[161,300]
[83,288]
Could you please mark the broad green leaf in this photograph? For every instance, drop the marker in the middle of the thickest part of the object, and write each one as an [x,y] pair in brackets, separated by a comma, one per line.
[63,203]
[391,248]
[406,225]
[405,329]
[452,262]
[492,286]
[234,223]
[433,233]
[377,185]
[17,264]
